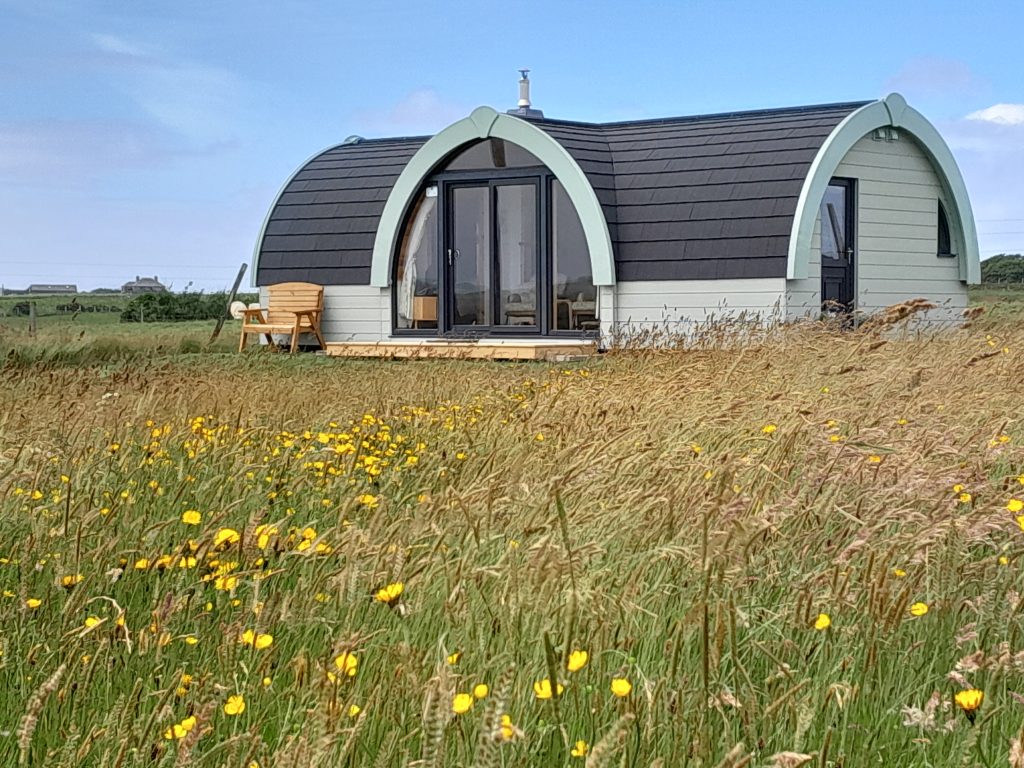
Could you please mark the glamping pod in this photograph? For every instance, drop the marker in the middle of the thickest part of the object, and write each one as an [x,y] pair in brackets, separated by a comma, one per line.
[516,229]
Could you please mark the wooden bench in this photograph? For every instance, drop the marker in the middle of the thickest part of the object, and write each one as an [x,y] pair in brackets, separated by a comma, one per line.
[293,308]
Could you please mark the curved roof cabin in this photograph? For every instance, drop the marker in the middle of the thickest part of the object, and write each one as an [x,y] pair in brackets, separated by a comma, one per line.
[518,230]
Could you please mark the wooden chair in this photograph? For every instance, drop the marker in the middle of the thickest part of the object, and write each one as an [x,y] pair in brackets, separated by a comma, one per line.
[293,308]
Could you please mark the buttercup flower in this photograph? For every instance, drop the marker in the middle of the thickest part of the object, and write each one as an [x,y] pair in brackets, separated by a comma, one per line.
[621,687]
[235,705]
[542,689]
[256,640]
[347,663]
[577,661]
[919,609]
[823,622]
[768,429]
[191,517]
[580,749]
[480,690]
[354,710]
[462,703]
[1015,505]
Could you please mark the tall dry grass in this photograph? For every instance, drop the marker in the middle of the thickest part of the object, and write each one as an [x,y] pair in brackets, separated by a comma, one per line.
[682,516]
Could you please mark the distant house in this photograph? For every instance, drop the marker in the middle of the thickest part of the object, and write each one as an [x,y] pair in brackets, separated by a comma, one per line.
[143,285]
[51,288]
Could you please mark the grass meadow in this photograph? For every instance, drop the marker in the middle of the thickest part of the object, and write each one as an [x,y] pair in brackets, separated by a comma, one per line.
[804,551]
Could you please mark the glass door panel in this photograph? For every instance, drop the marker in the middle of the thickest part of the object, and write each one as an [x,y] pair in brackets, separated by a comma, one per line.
[837,249]
[469,257]
[517,248]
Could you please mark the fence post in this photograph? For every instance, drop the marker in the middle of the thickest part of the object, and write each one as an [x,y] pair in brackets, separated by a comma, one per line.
[32,319]
[231,298]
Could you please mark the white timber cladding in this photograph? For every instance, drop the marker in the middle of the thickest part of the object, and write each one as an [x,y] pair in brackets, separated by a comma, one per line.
[896,209]
[351,313]
[680,306]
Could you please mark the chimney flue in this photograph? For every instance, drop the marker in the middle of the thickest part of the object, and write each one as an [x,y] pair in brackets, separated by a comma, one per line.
[524,89]
[524,108]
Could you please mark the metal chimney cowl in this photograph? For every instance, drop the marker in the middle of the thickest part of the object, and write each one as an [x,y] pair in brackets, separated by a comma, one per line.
[524,109]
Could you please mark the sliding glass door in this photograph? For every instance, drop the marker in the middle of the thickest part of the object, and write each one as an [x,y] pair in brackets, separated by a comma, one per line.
[492,247]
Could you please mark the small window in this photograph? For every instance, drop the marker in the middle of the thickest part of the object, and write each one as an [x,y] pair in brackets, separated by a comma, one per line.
[945,242]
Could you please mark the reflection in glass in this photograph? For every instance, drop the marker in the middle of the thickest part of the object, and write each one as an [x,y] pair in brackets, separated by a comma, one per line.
[575,296]
[471,257]
[833,222]
[417,278]
[492,154]
[517,254]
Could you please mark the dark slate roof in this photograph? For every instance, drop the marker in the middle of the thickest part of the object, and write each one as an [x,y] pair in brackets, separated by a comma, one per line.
[703,197]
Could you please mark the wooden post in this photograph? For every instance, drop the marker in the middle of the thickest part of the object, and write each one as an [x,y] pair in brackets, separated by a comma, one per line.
[231,298]
[32,319]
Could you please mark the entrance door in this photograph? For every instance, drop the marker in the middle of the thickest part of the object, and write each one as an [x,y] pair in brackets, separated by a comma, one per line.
[838,284]
[492,270]
[469,275]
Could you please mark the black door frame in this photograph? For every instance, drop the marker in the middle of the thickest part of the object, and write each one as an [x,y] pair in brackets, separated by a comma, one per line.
[850,236]
[447,327]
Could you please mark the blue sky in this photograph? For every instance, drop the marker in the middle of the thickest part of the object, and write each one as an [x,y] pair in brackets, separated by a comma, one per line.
[151,137]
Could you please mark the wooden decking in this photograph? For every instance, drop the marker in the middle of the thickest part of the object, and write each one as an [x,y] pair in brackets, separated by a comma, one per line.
[487,349]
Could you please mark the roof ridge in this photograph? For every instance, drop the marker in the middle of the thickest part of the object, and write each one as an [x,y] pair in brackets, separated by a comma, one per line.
[797,110]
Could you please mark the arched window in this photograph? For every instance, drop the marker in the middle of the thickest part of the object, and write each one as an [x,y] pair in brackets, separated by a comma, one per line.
[945,241]
[493,245]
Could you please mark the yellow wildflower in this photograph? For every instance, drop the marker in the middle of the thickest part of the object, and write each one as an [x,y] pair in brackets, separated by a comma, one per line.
[480,691]
[969,701]
[768,429]
[508,730]
[621,687]
[70,581]
[453,659]
[919,609]
[354,710]
[256,640]
[191,517]
[580,749]
[542,689]
[577,661]
[823,622]
[875,459]
[347,663]
[462,703]
[33,603]
[235,705]
[226,537]
[390,593]
[899,573]
[1015,505]
[91,621]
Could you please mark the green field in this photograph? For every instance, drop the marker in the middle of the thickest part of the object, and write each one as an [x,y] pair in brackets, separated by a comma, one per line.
[795,552]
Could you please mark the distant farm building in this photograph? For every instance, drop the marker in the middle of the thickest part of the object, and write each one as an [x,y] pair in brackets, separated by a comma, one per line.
[52,288]
[144,285]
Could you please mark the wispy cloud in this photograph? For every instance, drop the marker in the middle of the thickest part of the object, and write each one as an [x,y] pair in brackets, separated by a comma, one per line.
[989,148]
[117,45]
[199,102]
[930,76]
[1000,114]
[421,111]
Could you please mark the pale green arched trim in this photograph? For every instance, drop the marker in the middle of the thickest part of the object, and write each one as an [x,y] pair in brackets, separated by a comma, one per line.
[277,199]
[891,111]
[487,123]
